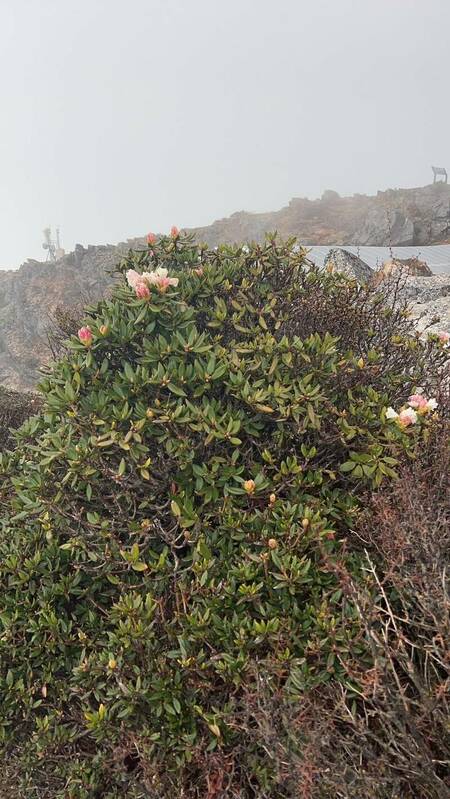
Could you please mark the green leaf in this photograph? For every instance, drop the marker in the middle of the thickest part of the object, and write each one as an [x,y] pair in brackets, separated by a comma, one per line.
[129,373]
[139,566]
[175,508]
[176,390]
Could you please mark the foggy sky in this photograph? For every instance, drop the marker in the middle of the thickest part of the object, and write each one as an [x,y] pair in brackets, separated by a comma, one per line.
[123,116]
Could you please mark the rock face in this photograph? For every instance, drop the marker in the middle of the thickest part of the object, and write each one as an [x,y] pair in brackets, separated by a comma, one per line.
[399,217]
[29,297]
[384,226]
[349,264]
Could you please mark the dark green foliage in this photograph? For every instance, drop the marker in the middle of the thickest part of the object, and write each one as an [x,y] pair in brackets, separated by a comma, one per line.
[15,408]
[174,522]
[64,323]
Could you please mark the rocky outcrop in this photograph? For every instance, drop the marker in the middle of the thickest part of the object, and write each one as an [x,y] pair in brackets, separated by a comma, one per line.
[29,297]
[412,267]
[343,261]
[408,266]
[429,301]
[397,217]
[428,295]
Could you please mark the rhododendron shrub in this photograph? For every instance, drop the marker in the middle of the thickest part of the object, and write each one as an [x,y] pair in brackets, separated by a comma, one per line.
[175,522]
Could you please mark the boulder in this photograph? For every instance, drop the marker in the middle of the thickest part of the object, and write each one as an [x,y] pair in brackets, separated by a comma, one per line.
[340,260]
[411,267]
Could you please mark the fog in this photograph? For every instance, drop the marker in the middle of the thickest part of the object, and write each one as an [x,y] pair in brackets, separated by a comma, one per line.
[123,117]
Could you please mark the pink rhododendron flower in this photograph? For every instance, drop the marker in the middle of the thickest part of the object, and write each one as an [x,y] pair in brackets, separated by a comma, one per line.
[85,335]
[151,238]
[391,414]
[142,290]
[407,416]
[174,232]
[444,337]
[417,401]
[421,404]
[199,271]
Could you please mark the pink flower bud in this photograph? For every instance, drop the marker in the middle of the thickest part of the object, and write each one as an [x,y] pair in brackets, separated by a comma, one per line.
[174,232]
[85,335]
[444,337]
[151,238]
[199,271]
[142,290]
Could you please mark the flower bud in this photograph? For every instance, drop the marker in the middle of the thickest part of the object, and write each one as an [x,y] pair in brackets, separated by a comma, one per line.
[272,499]
[174,232]
[305,523]
[112,663]
[85,335]
[151,238]
[249,486]
[142,291]
[272,544]
[104,329]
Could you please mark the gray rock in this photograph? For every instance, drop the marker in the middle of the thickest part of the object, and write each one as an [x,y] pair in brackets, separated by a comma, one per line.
[426,289]
[343,261]
[382,225]
[429,301]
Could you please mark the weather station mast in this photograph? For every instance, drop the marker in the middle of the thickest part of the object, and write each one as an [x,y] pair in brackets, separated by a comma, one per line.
[53,246]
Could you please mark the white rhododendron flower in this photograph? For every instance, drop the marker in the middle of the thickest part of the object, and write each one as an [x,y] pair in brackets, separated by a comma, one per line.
[160,278]
[406,417]
[133,278]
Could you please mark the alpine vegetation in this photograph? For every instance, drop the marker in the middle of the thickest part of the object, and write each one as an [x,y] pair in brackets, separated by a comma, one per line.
[193,599]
